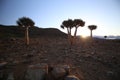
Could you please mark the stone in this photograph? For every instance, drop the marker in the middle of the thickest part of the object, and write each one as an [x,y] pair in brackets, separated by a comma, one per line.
[13,39]
[10,76]
[2,64]
[87,55]
[26,61]
[36,72]
[110,73]
[16,62]
[1,74]
[60,71]
[66,67]
[71,77]
[92,53]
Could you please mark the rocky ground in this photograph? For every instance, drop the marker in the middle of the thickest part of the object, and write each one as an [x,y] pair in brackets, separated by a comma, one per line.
[97,60]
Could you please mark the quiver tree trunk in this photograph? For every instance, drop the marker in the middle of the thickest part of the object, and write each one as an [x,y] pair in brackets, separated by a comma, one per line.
[92,27]
[69,36]
[27,35]
[91,33]
[74,38]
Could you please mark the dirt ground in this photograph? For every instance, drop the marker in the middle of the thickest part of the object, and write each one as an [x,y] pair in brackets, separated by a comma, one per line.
[89,60]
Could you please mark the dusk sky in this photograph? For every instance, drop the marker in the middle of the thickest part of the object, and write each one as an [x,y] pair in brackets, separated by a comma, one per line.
[51,13]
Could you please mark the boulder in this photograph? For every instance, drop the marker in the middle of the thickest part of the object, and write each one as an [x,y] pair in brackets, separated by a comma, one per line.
[10,76]
[71,77]
[66,67]
[60,71]
[36,72]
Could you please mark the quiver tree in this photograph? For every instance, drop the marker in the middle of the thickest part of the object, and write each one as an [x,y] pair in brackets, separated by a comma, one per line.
[92,27]
[77,23]
[26,23]
[105,37]
[68,24]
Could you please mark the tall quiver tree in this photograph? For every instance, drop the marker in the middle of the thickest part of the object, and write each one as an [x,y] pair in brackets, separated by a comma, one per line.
[68,24]
[92,27]
[26,23]
[78,23]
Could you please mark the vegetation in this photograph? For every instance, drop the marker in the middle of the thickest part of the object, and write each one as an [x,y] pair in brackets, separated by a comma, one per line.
[105,37]
[77,23]
[26,22]
[69,24]
[92,27]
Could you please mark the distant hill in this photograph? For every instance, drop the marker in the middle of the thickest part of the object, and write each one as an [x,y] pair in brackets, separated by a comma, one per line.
[16,31]
[108,37]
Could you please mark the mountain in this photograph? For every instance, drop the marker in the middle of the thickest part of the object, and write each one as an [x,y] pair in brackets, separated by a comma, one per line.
[108,37]
[16,31]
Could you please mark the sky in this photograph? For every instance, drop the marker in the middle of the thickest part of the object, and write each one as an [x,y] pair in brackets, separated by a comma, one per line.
[51,13]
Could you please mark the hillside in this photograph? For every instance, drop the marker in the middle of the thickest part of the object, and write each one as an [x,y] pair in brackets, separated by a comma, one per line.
[89,61]
[15,31]
[96,60]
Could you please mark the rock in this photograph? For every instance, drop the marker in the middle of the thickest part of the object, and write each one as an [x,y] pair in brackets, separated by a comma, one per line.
[12,39]
[10,59]
[66,67]
[36,72]
[99,59]
[83,51]
[26,61]
[87,55]
[110,73]
[114,60]
[10,76]
[29,56]
[92,53]
[2,64]
[1,74]
[71,77]
[16,62]
[60,71]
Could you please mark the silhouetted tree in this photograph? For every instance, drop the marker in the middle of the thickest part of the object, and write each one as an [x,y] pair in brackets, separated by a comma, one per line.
[26,23]
[92,27]
[77,23]
[105,37]
[69,25]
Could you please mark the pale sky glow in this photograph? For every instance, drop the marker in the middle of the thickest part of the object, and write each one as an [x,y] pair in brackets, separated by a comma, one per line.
[51,13]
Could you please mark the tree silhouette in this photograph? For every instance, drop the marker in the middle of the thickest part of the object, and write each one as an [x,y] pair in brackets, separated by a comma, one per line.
[78,23]
[69,25]
[105,37]
[92,27]
[26,23]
